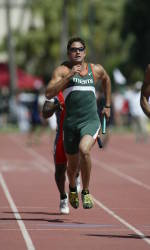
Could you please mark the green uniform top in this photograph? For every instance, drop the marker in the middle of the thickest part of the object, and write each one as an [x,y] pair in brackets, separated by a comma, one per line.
[80,100]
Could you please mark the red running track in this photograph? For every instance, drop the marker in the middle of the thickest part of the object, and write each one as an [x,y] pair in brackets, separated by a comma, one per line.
[29,200]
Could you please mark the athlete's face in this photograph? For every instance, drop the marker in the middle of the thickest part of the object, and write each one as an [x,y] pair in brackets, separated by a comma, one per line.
[77,52]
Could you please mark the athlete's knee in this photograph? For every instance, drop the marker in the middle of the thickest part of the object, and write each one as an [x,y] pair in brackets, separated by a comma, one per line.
[84,150]
[60,171]
[85,145]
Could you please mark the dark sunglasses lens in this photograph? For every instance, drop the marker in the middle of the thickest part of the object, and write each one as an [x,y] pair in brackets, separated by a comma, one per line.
[81,49]
[77,49]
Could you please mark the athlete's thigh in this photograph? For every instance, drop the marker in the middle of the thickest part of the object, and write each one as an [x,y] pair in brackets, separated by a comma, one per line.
[88,135]
[59,152]
[71,141]
[90,128]
[86,143]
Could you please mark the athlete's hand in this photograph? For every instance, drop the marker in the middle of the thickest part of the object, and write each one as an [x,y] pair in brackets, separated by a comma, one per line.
[50,107]
[106,112]
[76,69]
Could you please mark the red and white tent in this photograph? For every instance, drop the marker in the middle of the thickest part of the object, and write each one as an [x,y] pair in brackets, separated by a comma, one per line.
[24,80]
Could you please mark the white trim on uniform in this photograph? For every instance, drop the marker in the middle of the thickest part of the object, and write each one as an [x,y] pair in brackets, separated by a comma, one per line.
[67,91]
[96,134]
[52,100]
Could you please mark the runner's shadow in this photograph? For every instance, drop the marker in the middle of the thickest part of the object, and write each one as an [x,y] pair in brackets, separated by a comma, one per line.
[129,236]
[57,220]
[33,219]
[43,213]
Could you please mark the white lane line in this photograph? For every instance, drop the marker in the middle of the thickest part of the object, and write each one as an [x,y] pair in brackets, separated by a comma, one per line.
[122,221]
[120,174]
[110,212]
[41,159]
[22,227]
[45,163]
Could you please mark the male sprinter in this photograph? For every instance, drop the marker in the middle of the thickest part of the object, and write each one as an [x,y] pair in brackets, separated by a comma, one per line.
[145,93]
[77,80]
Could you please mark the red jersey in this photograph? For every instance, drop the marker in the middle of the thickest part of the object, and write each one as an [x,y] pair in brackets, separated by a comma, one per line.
[59,152]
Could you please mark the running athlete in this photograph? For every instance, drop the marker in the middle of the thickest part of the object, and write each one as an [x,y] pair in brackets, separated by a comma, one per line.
[145,93]
[77,80]
[56,105]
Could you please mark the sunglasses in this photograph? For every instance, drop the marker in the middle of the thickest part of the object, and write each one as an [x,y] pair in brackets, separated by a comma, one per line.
[74,49]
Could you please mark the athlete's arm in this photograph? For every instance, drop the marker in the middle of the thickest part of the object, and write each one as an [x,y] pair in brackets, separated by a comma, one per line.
[100,74]
[60,79]
[145,93]
[50,107]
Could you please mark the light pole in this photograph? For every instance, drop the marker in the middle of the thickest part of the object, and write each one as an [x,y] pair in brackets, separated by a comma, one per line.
[64,32]
[11,52]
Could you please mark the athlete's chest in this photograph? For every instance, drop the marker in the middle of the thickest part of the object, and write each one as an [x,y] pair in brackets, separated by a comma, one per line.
[84,80]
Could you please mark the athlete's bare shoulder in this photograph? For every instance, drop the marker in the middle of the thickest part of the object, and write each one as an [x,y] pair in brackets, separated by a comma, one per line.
[97,67]
[99,71]
[67,64]
[147,75]
[61,71]
[145,90]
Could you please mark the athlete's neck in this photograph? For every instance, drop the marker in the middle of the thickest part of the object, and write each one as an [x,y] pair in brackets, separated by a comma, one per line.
[84,65]
[84,69]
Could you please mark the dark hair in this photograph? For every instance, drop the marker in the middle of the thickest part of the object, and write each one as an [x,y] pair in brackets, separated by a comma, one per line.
[75,39]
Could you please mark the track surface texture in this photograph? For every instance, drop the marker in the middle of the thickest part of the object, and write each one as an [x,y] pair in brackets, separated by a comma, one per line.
[29,200]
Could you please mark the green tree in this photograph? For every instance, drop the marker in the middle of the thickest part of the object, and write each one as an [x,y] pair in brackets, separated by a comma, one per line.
[98,22]
[136,33]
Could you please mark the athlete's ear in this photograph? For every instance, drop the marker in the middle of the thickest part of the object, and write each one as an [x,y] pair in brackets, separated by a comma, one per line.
[68,52]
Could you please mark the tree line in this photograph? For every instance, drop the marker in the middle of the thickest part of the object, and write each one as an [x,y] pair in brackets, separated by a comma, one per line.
[117,34]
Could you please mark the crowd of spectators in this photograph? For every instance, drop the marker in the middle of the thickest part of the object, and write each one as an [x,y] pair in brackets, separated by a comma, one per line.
[24,110]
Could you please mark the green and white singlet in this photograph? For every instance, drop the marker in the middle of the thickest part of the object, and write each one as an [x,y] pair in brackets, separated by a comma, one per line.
[81,110]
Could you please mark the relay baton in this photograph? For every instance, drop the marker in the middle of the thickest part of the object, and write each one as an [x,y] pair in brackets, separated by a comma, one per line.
[104,125]
[99,142]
